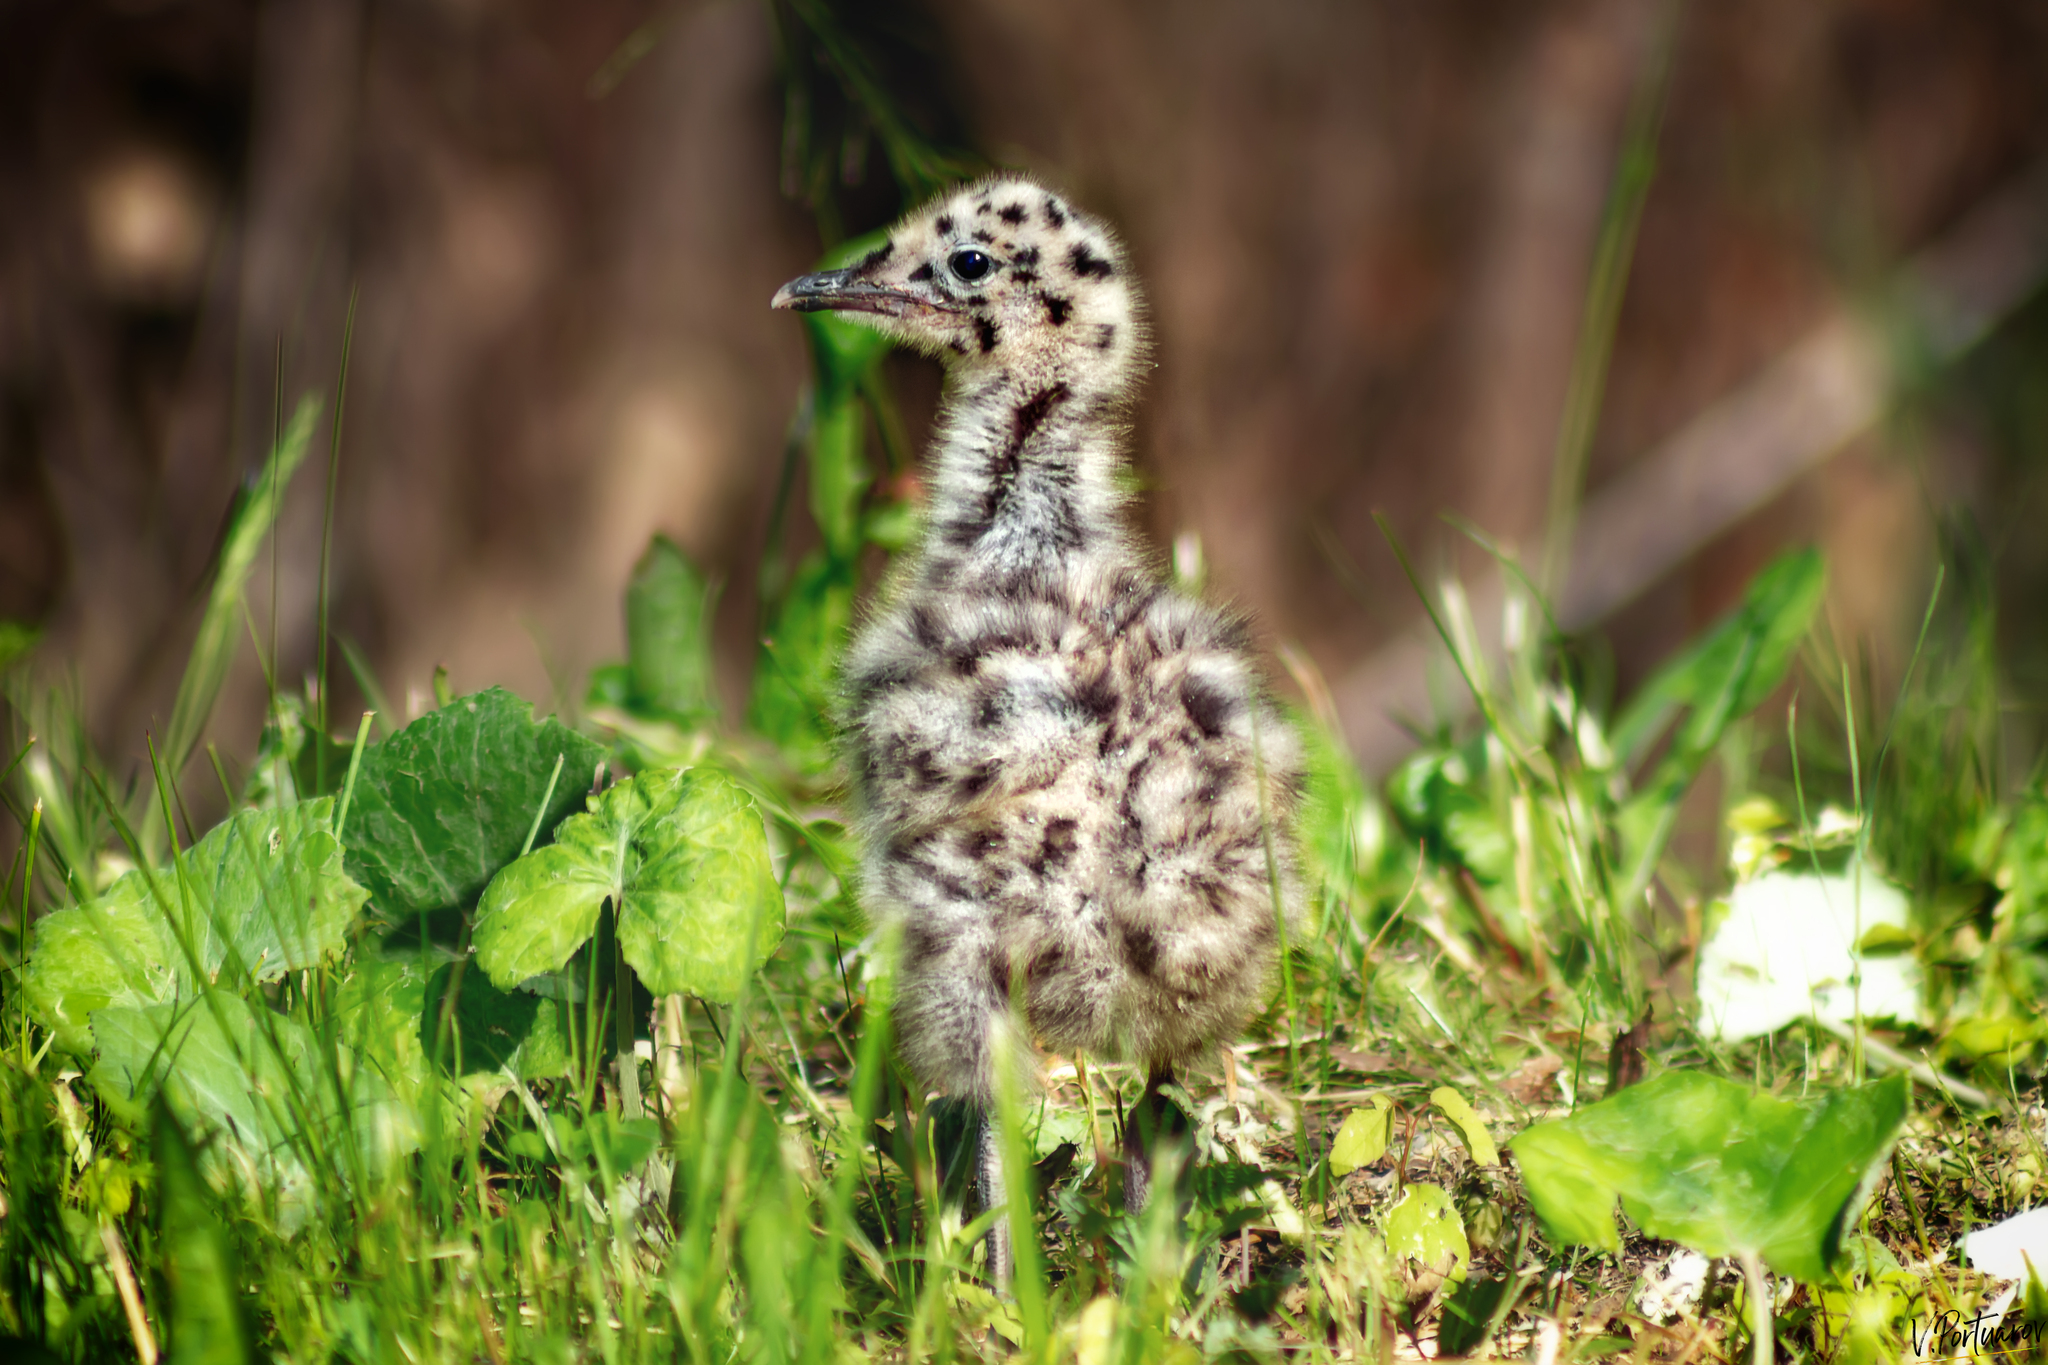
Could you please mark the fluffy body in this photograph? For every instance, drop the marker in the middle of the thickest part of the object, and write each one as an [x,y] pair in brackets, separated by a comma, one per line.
[1073,795]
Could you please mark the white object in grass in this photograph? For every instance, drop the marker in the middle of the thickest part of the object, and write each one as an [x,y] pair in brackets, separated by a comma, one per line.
[1672,1288]
[1787,951]
[2003,1249]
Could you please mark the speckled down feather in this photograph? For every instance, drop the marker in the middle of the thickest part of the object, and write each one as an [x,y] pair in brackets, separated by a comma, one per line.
[1069,780]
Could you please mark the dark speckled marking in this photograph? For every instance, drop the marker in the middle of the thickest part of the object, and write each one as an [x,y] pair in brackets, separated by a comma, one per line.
[1096,697]
[1028,256]
[921,942]
[944,225]
[876,257]
[1141,950]
[1086,263]
[1057,308]
[1012,214]
[984,236]
[985,331]
[925,627]
[1208,705]
[1061,837]
[922,273]
[1031,416]
[1055,216]
[978,780]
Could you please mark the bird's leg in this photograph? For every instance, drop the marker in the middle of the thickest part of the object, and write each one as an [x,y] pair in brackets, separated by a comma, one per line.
[1152,1120]
[989,1193]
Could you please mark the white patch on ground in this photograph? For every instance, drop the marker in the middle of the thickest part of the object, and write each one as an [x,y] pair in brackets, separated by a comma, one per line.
[2004,1249]
[1673,1286]
[1787,952]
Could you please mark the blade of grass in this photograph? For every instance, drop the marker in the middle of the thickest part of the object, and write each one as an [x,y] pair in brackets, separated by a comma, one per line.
[348,336]
[1612,256]
[214,650]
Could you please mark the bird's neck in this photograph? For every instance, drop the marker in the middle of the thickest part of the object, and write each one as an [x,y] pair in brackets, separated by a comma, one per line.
[1024,474]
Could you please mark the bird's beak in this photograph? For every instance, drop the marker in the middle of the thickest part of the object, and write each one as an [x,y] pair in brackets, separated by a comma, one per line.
[843,291]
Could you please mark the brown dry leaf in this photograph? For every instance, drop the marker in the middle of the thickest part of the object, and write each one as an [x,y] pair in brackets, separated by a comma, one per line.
[1532,1080]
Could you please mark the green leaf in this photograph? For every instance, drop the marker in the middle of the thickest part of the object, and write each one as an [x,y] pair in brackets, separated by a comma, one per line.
[491,1030]
[793,674]
[684,856]
[1427,1238]
[1460,1111]
[116,950]
[377,1013]
[1743,658]
[1712,1164]
[213,1062]
[1362,1138]
[1468,1312]
[206,1322]
[668,635]
[446,802]
[1719,680]
[620,1146]
[262,894]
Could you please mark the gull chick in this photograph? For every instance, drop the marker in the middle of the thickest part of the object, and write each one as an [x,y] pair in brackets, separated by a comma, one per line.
[1073,795]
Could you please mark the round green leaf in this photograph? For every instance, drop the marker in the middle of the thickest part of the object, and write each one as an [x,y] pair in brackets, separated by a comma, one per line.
[706,909]
[1708,1162]
[1427,1238]
[262,894]
[446,802]
[1459,1110]
[684,856]
[1362,1138]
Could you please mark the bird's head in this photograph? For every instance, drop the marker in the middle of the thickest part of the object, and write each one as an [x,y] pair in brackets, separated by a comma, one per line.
[1002,274]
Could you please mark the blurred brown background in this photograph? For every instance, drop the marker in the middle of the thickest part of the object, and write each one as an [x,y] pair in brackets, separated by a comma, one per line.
[1366,227]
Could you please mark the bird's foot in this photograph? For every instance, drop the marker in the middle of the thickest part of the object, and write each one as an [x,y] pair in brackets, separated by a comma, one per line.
[1154,1121]
[989,1194]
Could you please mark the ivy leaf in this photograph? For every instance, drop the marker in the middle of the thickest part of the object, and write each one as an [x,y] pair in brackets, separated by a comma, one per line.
[1712,1164]
[262,894]
[446,802]
[1362,1138]
[1459,1110]
[684,856]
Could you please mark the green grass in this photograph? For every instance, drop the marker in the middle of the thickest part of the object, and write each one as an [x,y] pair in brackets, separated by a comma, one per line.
[1492,926]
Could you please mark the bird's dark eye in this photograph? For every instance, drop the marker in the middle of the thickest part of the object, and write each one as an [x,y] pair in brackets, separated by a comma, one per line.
[971,265]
